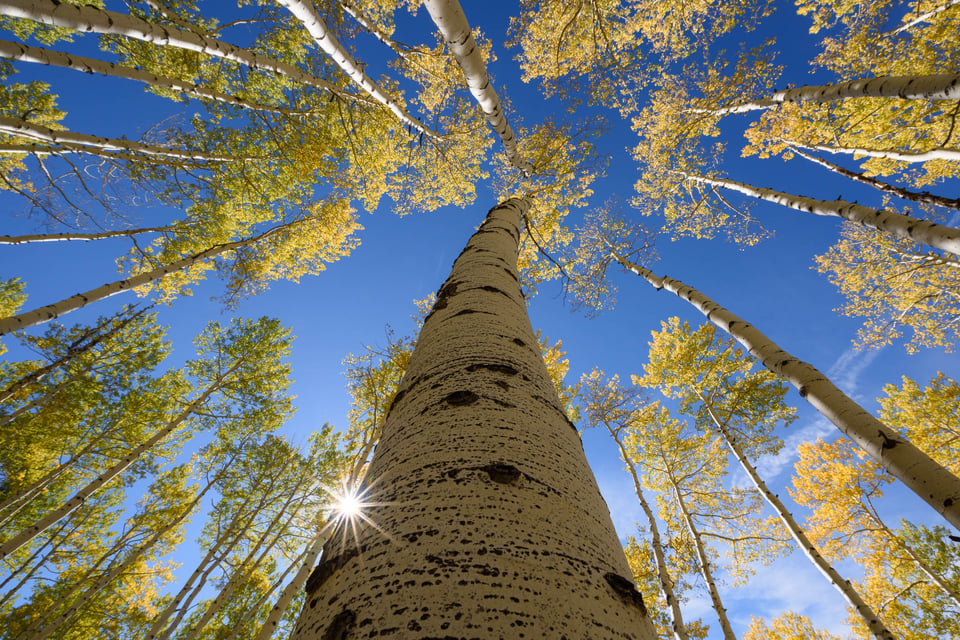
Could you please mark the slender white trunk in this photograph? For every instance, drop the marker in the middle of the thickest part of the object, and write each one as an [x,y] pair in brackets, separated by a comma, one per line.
[928,233]
[266,541]
[310,555]
[36,402]
[924,197]
[705,571]
[452,23]
[62,237]
[28,534]
[663,574]
[306,13]
[39,55]
[867,615]
[488,520]
[80,141]
[928,479]
[951,155]
[49,312]
[227,538]
[91,19]
[373,29]
[944,86]
[923,17]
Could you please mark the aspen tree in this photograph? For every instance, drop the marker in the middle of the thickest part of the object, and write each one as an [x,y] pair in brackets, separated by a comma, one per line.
[928,479]
[472,446]
[898,289]
[613,407]
[715,384]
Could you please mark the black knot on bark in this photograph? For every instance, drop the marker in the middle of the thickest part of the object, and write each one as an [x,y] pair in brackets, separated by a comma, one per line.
[502,473]
[341,626]
[461,398]
[888,442]
[326,569]
[626,590]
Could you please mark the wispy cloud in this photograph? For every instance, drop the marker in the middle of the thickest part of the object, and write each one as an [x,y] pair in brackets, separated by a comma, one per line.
[845,372]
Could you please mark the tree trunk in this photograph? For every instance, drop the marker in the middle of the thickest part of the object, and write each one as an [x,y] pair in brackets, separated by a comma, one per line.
[304,11]
[922,231]
[663,574]
[452,23]
[928,479]
[923,197]
[867,615]
[952,155]
[310,555]
[63,237]
[92,19]
[49,312]
[81,142]
[705,571]
[485,518]
[923,17]
[944,86]
[26,53]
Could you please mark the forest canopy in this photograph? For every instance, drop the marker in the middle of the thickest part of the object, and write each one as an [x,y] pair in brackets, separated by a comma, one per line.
[219,218]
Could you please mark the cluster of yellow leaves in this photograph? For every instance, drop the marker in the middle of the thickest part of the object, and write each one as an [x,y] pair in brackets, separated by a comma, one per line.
[928,416]
[901,568]
[891,283]
[787,626]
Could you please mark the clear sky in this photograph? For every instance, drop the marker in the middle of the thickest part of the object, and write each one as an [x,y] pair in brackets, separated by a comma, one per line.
[400,259]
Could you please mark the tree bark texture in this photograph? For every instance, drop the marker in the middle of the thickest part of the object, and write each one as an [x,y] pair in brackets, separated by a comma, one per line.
[924,476]
[925,232]
[945,86]
[488,520]
[452,23]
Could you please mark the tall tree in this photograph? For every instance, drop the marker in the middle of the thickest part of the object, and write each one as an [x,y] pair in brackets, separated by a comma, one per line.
[459,474]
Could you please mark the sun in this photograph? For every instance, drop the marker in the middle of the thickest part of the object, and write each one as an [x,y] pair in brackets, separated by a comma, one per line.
[348,505]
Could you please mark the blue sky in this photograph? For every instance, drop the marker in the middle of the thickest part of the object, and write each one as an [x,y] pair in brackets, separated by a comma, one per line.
[400,259]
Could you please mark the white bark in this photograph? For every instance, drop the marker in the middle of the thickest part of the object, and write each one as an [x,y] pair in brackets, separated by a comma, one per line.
[850,594]
[91,19]
[62,237]
[663,573]
[453,26]
[488,519]
[928,233]
[49,312]
[86,143]
[924,197]
[951,155]
[944,86]
[26,53]
[304,11]
[310,555]
[923,17]
[928,479]
[705,571]
[28,534]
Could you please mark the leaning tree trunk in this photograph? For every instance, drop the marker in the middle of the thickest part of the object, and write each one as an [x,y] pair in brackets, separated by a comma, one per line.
[86,237]
[485,517]
[45,314]
[939,153]
[92,19]
[306,13]
[452,23]
[845,587]
[39,55]
[945,86]
[924,476]
[929,233]
[923,197]
[83,142]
